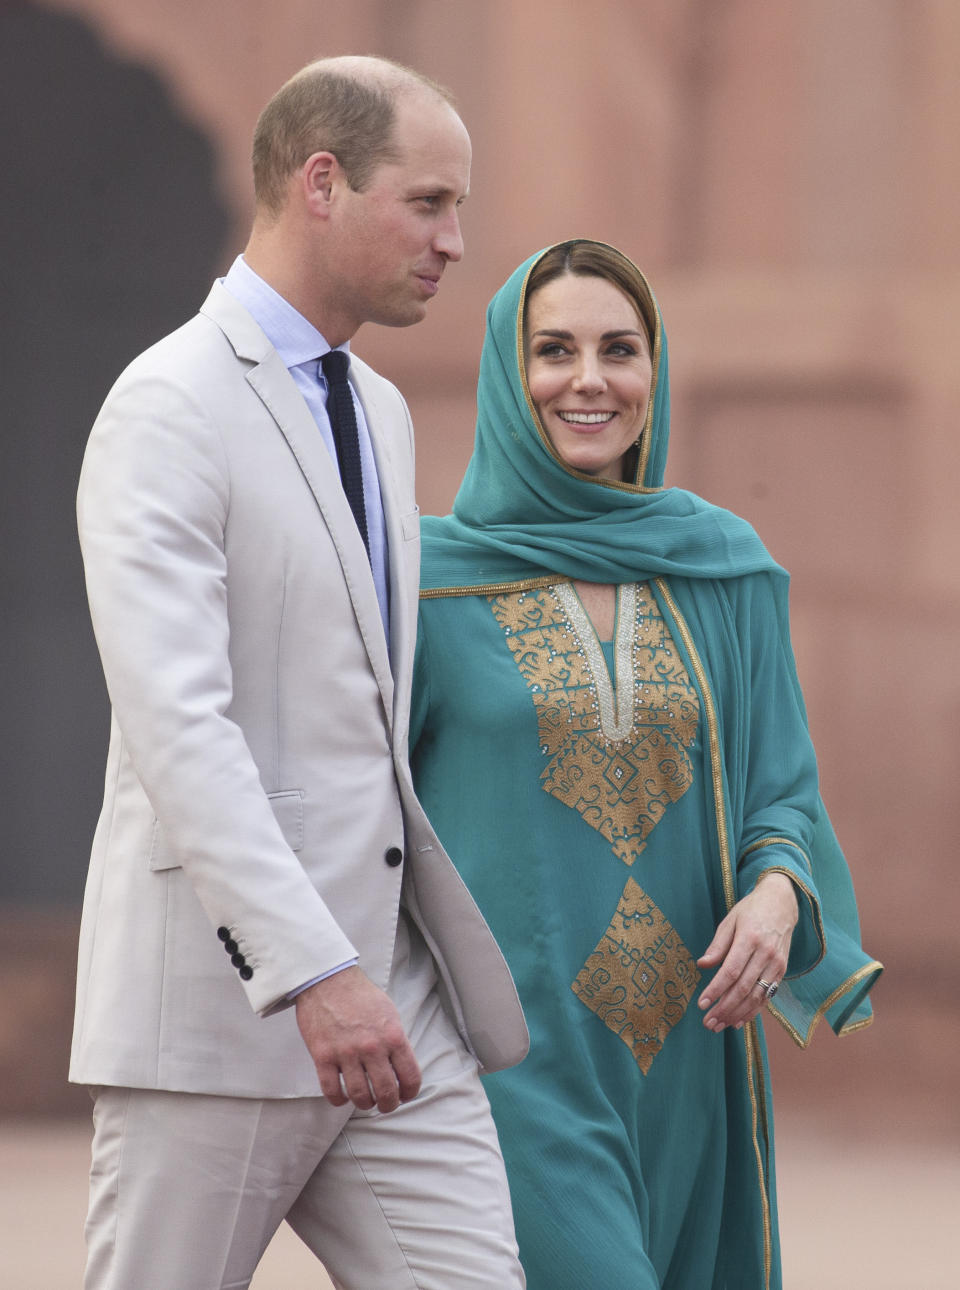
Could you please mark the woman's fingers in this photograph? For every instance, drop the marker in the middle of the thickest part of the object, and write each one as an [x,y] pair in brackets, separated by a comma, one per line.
[751,944]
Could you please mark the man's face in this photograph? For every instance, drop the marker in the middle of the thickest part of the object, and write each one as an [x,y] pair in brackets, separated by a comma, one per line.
[392,241]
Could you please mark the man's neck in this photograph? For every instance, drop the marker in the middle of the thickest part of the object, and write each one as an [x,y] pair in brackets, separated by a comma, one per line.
[273,256]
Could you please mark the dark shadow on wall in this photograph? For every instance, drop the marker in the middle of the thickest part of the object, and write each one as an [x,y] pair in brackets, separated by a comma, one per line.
[110,231]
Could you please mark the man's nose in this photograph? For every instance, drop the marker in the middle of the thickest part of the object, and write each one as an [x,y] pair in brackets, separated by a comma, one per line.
[449,239]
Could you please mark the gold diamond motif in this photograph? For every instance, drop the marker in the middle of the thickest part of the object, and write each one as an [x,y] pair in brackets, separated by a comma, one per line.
[640,978]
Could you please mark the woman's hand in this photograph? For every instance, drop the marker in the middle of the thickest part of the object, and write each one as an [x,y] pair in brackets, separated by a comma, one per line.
[752,944]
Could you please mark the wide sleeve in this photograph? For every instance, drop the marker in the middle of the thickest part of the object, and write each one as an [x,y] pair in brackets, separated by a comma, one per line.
[778,780]
[785,827]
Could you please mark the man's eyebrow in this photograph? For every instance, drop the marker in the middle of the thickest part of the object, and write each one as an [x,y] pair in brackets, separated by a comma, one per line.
[441,190]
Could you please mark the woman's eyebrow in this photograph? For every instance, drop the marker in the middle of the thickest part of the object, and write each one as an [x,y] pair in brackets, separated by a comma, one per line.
[607,335]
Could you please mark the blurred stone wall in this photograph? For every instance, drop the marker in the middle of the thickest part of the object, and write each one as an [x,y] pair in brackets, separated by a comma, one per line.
[786,174]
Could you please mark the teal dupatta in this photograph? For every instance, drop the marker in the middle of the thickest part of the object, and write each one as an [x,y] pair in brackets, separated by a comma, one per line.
[524,518]
[521,513]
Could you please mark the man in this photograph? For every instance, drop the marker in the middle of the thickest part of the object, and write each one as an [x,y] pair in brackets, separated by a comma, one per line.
[255,609]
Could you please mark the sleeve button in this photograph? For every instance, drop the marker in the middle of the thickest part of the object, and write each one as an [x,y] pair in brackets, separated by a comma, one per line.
[246,972]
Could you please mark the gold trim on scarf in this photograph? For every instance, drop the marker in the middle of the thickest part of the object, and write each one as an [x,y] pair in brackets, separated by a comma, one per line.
[754,1062]
[761,1124]
[713,731]
[488,588]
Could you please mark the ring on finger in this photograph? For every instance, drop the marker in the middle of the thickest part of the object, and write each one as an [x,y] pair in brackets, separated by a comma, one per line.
[769,988]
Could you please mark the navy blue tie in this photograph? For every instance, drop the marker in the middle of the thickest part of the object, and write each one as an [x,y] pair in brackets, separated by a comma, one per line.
[343,423]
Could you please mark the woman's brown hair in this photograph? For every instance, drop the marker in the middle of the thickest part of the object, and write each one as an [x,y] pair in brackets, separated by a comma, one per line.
[588,259]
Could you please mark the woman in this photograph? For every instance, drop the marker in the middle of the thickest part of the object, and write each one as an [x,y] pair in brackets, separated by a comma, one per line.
[610,739]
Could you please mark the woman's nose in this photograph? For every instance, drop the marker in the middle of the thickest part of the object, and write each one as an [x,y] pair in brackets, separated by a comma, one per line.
[588,378]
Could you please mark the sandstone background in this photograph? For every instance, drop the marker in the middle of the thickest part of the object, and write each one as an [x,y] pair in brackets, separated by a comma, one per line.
[787,176]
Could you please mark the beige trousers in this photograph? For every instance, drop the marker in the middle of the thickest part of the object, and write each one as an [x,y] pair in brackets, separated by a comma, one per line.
[187,1189]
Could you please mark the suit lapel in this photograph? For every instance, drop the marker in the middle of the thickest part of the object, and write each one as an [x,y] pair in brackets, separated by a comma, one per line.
[274,385]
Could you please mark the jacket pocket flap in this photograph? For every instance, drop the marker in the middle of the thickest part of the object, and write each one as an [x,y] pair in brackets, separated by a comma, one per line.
[287,807]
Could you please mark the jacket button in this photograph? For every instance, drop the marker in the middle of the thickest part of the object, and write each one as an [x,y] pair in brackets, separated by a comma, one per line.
[393,856]
[237,960]
[246,972]
[223,933]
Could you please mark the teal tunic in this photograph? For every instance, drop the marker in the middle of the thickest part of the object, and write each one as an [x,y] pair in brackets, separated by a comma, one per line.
[569,783]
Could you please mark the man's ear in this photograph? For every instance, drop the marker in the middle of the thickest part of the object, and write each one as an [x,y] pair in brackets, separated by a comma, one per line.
[320,175]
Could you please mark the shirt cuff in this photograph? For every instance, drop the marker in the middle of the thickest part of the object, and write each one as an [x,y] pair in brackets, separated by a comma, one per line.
[292,994]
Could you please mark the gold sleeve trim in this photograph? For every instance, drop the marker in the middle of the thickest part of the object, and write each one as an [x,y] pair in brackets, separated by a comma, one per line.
[861,974]
[775,841]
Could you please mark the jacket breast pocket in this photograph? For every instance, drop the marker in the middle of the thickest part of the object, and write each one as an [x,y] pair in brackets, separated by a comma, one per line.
[287,806]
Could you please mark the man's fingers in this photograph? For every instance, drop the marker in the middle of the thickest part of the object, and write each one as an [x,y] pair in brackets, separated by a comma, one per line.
[375,1079]
[407,1070]
[393,1078]
[332,1089]
[361,1087]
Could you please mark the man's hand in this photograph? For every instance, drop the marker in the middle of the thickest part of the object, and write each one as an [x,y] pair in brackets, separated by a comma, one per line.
[357,1042]
[752,943]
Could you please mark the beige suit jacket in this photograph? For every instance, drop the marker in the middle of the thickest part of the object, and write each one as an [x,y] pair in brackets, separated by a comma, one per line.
[257,777]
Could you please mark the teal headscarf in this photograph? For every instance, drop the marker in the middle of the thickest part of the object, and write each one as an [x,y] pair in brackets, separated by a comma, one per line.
[522,514]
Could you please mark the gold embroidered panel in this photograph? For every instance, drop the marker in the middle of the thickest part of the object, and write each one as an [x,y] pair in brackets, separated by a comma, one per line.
[616,752]
[640,978]
[616,748]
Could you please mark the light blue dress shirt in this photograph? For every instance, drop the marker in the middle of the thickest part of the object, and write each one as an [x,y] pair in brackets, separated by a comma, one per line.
[300,346]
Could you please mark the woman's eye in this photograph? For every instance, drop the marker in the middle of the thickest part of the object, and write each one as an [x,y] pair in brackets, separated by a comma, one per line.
[622,349]
[552,350]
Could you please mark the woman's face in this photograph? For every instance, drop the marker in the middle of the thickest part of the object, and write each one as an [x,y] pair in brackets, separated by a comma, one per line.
[588,371]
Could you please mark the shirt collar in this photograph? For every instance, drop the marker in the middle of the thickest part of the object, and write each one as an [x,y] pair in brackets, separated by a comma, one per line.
[294,338]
